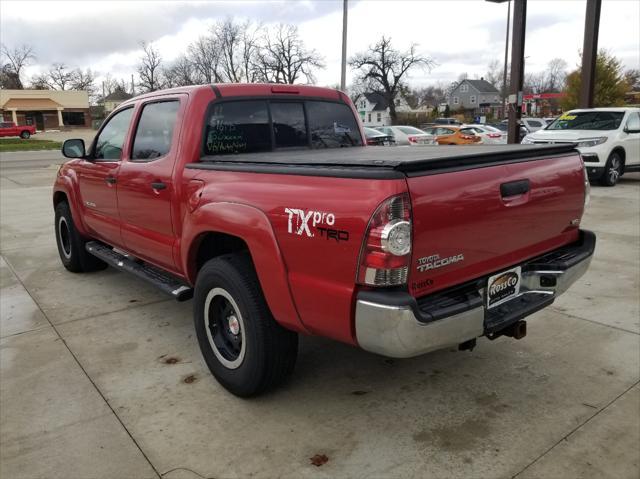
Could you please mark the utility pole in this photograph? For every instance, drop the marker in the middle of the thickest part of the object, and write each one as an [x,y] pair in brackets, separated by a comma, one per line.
[589,53]
[506,62]
[343,73]
[517,70]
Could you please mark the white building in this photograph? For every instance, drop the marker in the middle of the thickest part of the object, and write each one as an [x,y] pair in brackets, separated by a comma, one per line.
[374,110]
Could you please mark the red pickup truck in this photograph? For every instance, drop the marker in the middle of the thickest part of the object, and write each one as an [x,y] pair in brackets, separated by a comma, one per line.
[262,202]
[8,128]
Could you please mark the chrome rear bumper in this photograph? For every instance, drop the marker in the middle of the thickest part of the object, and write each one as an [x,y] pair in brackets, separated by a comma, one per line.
[394,324]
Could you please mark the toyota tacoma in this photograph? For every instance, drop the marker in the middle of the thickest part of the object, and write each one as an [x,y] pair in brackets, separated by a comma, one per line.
[263,204]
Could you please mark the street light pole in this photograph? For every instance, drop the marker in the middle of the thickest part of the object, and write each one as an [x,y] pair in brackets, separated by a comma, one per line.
[343,73]
[517,70]
[506,62]
[590,53]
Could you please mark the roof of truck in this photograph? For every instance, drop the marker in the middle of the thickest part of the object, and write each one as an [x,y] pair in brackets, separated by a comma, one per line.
[253,89]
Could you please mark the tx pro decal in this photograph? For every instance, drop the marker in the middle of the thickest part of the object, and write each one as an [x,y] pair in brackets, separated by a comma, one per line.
[314,223]
[434,261]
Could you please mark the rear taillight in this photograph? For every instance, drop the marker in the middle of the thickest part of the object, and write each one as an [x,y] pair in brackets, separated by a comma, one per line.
[412,139]
[386,248]
[494,135]
[467,137]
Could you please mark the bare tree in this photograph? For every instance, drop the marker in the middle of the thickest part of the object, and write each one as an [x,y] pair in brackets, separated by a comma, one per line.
[285,59]
[552,79]
[181,73]
[383,68]
[9,79]
[556,74]
[149,68]
[237,45]
[17,59]
[205,58]
[59,77]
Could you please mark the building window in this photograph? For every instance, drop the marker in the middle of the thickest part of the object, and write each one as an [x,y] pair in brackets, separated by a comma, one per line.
[495,99]
[398,102]
[455,100]
[464,88]
[363,104]
[379,117]
[369,118]
[472,99]
[73,118]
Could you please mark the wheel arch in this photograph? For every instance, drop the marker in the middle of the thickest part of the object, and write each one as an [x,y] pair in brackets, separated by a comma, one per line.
[216,229]
[623,155]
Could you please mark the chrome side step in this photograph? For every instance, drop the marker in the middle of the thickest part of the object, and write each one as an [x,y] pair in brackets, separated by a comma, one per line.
[166,283]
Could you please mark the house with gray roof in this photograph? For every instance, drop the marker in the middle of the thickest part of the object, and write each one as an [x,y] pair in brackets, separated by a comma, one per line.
[477,95]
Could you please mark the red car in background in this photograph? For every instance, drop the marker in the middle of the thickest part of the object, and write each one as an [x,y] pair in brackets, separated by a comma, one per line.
[8,128]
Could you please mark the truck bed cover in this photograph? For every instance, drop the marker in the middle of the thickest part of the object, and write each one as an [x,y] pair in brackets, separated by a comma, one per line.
[378,162]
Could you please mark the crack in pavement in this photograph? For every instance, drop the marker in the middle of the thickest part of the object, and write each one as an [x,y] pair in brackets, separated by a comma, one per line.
[575,429]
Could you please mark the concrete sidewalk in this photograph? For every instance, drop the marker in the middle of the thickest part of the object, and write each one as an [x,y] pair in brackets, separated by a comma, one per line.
[101,377]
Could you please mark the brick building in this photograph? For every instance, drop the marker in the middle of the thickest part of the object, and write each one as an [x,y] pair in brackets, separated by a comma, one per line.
[46,109]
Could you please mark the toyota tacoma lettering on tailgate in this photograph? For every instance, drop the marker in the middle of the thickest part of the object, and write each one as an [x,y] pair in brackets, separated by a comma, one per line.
[263,203]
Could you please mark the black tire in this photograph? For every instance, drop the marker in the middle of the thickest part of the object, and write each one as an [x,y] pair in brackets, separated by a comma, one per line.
[25,135]
[71,247]
[243,346]
[613,170]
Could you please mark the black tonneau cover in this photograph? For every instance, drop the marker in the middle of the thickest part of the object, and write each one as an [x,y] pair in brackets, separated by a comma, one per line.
[380,161]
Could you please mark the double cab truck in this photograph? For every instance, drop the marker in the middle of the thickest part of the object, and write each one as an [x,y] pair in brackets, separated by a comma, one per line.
[9,128]
[263,204]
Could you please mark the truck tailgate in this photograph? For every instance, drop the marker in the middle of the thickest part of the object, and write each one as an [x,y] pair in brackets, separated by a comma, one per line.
[476,221]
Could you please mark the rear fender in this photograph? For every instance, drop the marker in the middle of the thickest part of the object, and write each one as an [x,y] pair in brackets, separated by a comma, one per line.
[251,225]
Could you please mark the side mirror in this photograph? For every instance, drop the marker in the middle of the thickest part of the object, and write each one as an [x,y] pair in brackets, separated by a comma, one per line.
[74,148]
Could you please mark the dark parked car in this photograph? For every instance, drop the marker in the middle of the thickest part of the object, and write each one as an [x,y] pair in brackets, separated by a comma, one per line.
[377,138]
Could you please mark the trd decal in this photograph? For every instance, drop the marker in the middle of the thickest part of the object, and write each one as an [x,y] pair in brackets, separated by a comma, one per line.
[338,235]
[314,223]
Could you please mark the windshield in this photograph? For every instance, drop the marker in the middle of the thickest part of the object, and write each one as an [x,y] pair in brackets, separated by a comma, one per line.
[409,130]
[588,120]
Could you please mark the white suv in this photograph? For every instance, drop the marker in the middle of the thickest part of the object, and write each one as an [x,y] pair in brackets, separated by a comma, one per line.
[608,140]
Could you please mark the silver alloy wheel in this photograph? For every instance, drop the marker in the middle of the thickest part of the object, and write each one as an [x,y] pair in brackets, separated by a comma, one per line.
[64,236]
[225,328]
[614,170]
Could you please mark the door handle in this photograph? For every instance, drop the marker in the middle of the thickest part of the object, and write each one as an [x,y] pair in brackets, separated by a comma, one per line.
[514,188]
[158,185]
[110,180]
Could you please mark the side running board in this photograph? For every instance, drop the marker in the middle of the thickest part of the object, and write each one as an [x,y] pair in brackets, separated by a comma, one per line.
[170,285]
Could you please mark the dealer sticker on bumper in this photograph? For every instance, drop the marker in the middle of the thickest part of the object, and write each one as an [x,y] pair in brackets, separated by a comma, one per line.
[503,286]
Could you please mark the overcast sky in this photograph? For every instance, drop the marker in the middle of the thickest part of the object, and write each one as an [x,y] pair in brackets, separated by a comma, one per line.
[461,36]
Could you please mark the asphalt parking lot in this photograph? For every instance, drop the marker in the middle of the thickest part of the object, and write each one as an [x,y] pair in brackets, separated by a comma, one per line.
[101,376]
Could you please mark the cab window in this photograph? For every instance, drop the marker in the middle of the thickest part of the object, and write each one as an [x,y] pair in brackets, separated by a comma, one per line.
[110,140]
[289,127]
[237,127]
[248,126]
[155,130]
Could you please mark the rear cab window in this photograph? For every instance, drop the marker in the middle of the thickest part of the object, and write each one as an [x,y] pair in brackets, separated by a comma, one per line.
[251,126]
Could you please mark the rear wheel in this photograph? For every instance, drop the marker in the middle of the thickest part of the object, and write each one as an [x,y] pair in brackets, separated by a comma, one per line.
[71,247]
[243,346]
[25,135]
[612,170]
